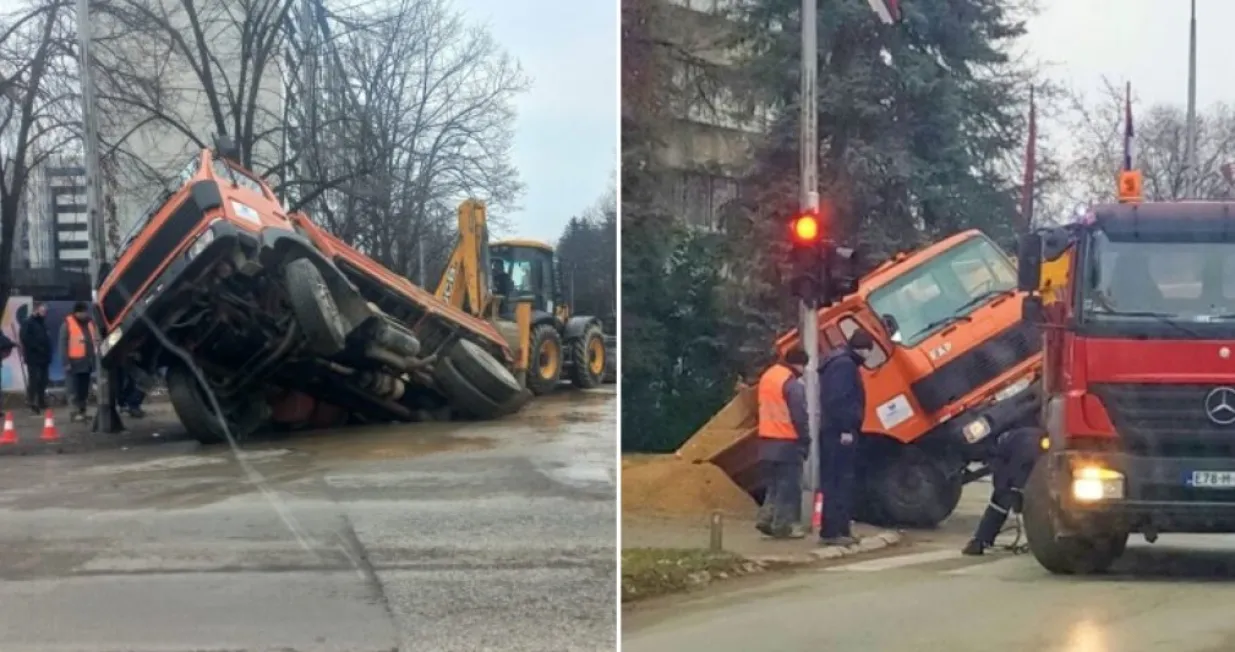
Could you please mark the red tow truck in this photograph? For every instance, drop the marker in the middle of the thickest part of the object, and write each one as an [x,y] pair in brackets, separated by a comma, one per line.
[1136,305]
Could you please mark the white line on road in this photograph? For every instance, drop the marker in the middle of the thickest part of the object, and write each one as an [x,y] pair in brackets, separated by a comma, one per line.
[990,568]
[898,561]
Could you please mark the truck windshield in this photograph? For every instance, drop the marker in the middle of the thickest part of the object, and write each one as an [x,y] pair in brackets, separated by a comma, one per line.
[944,289]
[184,176]
[1179,281]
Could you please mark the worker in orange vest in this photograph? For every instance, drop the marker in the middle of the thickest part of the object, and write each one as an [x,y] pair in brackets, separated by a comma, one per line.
[78,339]
[783,445]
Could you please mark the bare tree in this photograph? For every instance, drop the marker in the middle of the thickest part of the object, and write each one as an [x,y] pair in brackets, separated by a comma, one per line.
[431,121]
[34,108]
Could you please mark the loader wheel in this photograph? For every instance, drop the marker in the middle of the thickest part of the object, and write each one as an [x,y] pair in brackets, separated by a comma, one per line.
[910,488]
[197,414]
[1072,555]
[315,307]
[545,362]
[590,358]
[483,373]
[610,360]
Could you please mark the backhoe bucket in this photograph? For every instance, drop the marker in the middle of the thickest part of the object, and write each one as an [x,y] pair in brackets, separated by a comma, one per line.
[729,440]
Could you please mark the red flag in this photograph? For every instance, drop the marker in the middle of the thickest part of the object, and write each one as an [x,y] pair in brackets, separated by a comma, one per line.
[1129,135]
[1031,163]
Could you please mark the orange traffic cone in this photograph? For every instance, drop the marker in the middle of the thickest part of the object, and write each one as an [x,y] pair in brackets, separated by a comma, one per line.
[49,428]
[10,433]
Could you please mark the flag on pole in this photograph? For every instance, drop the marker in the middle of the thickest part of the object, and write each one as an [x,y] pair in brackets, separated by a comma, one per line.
[1031,162]
[888,10]
[1129,135]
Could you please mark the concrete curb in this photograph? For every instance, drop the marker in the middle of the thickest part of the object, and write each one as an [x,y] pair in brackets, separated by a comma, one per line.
[872,543]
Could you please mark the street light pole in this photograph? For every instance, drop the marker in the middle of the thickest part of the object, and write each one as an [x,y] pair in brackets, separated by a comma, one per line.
[1191,185]
[809,203]
[107,419]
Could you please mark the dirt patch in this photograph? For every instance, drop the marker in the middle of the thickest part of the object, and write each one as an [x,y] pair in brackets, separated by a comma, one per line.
[650,572]
[666,485]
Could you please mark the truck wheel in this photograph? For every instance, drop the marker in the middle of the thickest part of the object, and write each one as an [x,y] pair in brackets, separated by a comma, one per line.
[315,307]
[1063,555]
[591,359]
[483,372]
[545,359]
[910,488]
[197,414]
[465,398]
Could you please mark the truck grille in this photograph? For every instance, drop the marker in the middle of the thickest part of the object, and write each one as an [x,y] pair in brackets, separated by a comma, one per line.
[1166,420]
[977,367]
[146,263]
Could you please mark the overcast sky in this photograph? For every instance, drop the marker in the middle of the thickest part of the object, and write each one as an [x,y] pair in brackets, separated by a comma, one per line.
[567,132]
[1141,41]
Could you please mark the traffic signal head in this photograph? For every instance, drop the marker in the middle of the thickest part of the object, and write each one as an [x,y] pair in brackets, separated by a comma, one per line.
[805,230]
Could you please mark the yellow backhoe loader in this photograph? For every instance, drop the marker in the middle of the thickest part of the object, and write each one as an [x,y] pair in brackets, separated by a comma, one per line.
[517,285]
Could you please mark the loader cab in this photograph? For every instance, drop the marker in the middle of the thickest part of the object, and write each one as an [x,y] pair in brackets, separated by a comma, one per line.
[524,268]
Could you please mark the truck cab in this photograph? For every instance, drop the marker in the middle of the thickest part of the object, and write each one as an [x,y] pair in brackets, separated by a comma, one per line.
[1139,379]
[953,365]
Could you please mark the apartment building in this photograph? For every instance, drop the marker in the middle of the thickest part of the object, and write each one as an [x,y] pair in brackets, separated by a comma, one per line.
[718,126]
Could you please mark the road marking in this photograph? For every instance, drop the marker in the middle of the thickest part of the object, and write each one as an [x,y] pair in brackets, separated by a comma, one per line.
[989,566]
[897,561]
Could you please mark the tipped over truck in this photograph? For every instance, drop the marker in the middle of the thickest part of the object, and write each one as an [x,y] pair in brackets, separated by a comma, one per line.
[953,365]
[260,316]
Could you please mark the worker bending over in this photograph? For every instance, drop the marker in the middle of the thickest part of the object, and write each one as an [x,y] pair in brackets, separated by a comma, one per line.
[1012,458]
[783,445]
[843,398]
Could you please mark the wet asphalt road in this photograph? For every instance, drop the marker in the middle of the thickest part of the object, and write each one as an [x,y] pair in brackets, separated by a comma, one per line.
[442,537]
[1173,595]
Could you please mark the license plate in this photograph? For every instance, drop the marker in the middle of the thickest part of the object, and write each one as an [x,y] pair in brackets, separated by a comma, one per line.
[1213,479]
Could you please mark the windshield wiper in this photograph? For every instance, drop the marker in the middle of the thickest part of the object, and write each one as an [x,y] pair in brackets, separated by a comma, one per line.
[981,298]
[939,323]
[1163,318]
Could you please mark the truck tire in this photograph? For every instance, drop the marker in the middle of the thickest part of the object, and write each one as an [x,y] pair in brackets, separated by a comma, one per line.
[590,358]
[315,307]
[196,413]
[483,372]
[465,398]
[545,359]
[910,488]
[1063,555]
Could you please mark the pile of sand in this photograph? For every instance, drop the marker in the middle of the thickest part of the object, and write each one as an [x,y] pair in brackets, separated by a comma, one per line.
[667,485]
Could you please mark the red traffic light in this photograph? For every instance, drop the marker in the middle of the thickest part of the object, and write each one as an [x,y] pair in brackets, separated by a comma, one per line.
[805,229]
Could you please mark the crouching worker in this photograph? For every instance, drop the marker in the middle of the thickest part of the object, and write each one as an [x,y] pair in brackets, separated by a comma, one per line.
[1012,459]
[784,442]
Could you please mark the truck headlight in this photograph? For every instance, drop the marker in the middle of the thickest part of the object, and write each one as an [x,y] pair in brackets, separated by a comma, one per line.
[1013,389]
[1094,483]
[976,430]
[199,245]
[111,339]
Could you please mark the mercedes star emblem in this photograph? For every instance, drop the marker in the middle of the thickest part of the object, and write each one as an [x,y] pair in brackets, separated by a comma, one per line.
[1220,405]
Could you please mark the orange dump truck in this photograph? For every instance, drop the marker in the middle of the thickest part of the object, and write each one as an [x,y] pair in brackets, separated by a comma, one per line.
[954,364]
[283,322]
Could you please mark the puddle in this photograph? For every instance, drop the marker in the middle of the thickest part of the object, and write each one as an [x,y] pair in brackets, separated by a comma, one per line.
[392,442]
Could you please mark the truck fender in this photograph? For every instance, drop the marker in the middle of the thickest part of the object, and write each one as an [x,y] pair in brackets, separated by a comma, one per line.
[278,246]
[575,326]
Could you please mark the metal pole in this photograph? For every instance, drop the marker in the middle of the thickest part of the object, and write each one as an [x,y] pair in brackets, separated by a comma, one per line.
[809,201]
[107,419]
[1191,185]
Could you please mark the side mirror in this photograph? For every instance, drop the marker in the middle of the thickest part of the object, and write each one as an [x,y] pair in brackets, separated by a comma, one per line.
[1029,262]
[890,324]
[1031,310]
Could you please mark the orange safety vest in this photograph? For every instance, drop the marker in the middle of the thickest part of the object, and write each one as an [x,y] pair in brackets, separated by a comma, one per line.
[774,420]
[77,339]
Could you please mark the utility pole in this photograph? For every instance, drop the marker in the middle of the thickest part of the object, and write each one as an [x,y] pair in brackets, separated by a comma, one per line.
[809,203]
[107,419]
[1192,169]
